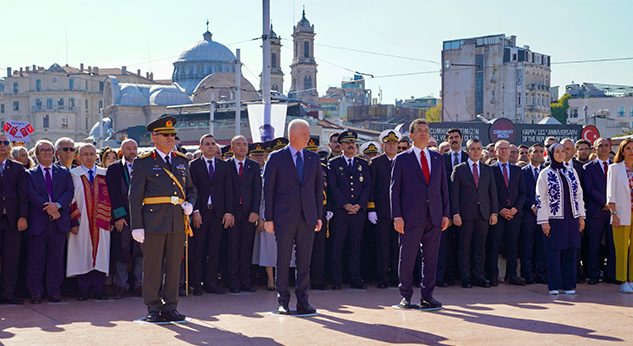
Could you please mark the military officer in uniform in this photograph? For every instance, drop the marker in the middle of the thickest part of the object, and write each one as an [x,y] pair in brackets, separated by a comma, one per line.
[379,211]
[161,198]
[317,264]
[348,185]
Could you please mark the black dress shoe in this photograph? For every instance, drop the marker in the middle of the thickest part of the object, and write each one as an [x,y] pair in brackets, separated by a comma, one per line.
[283,309]
[382,285]
[336,287]
[270,288]
[417,284]
[405,304]
[442,284]
[215,289]
[430,304]
[234,290]
[12,301]
[153,317]
[172,316]
[529,282]
[55,299]
[482,283]
[593,281]
[359,285]
[467,284]
[248,289]
[99,296]
[36,300]
[517,281]
[494,283]
[82,297]
[198,291]
[540,280]
[305,309]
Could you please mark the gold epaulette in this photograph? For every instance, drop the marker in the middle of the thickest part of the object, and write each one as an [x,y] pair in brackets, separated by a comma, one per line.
[145,154]
[371,205]
[179,154]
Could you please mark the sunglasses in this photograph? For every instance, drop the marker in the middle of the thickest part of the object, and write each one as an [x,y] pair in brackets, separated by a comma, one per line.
[5,143]
[166,134]
[67,149]
[402,148]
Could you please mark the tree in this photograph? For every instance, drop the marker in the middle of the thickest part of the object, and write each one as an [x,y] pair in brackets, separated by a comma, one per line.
[559,108]
[434,114]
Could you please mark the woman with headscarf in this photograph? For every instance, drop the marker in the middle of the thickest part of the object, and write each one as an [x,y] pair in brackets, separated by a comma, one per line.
[561,214]
[619,196]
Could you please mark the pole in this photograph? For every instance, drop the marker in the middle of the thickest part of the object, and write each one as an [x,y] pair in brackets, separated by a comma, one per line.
[100,127]
[266,62]
[238,92]
[211,114]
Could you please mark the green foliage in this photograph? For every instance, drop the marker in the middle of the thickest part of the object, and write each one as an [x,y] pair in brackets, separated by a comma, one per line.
[434,114]
[559,108]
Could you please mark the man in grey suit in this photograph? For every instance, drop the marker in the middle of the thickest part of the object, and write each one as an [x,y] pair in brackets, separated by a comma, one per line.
[474,205]
[293,205]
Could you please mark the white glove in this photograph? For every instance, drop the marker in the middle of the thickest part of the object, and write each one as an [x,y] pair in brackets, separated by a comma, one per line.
[187,207]
[329,215]
[139,235]
[373,217]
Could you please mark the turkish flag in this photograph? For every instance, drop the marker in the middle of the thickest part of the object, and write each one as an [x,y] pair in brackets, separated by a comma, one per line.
[29,128]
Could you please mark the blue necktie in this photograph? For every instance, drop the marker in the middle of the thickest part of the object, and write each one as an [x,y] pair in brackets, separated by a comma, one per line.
[300,166]
[91,176]
[1,169]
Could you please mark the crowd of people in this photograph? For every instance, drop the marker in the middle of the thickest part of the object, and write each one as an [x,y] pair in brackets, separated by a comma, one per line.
[76,217]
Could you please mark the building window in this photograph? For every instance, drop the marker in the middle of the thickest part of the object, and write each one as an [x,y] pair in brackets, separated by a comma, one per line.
[16,105]
[49,103]
[86,123]
[64,121]
[519,99]
[100,105]
[15,87]
[273,60]
[86,106]
[60,103]
[38,104]
[71,103]
[46,121]
[101,86]
[38,85]
[71,84]
[307,83]
[621,111]
[2,108]
[306,49]
[479,84]
[632,111]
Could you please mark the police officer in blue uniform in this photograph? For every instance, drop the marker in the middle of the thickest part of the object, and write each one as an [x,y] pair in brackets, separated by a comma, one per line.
[348,186]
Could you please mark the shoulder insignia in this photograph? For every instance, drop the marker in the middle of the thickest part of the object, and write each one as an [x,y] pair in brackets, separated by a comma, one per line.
[178,153]
[145,154]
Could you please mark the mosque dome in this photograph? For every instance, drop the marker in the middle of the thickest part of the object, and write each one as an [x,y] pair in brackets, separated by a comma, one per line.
[167,96]
[201,59]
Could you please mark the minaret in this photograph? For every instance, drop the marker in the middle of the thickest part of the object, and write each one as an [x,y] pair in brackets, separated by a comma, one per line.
[303,69]
[276,75]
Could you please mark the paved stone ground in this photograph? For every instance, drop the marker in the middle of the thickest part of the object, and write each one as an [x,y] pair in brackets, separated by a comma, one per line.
[502,315]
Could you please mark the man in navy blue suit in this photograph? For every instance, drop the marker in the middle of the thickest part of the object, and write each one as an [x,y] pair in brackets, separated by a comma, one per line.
[50,192]
[511,197]
[532,239]
[293,205]
[14,208]
[598,216]
[420,209]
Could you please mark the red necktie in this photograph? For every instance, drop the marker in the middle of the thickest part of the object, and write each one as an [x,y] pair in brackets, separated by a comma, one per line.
[476,174]
[505,174]
[425,167]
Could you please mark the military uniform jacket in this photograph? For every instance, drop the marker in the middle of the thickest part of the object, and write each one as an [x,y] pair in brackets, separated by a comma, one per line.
[379,199]
[150,180]
[348,185]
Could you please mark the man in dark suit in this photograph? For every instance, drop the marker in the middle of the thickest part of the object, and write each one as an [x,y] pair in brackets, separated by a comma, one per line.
[293,205]
[14,208]
[348,187]
[598,216]
[511,196]
[161,199]
[474,205]
[213,214]
[420,209]
[123,249]
[532,239]
[447,267]
[247,193]
[379,210]
[50,192]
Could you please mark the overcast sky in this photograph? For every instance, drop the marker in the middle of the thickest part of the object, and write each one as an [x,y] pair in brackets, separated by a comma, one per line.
[150,34]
